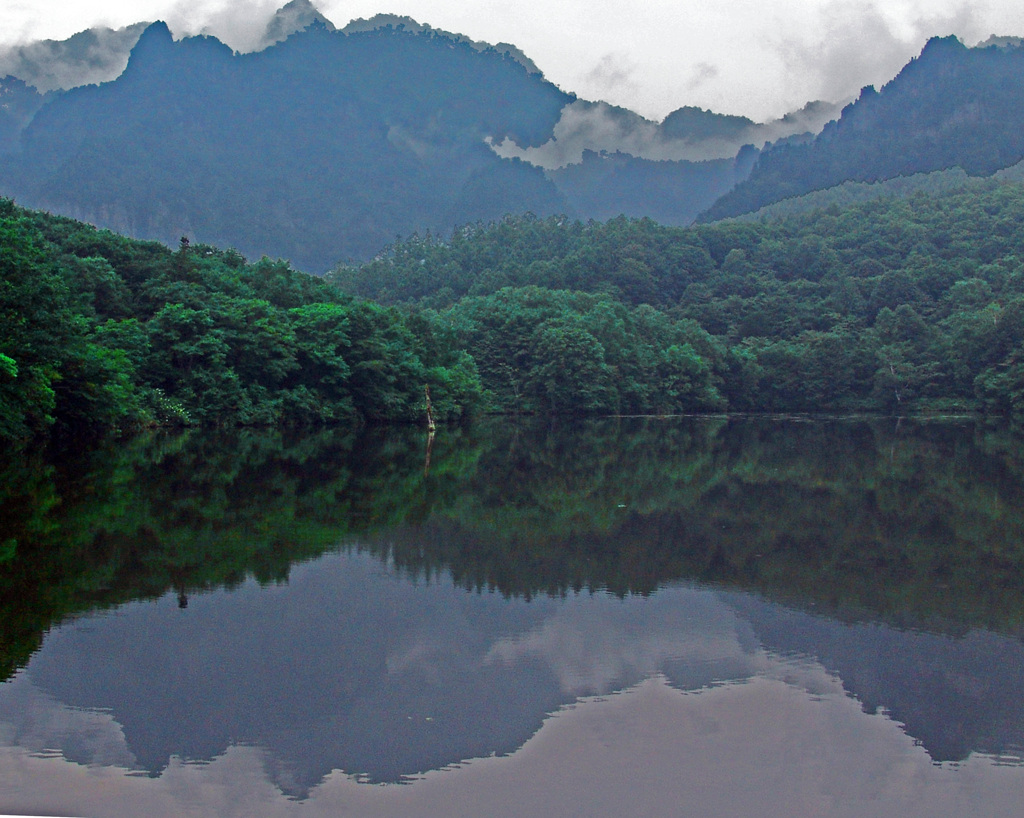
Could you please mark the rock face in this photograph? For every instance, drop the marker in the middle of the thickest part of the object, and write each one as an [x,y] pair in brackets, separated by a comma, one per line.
[18,104]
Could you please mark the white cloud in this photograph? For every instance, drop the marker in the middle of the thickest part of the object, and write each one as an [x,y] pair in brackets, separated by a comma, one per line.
[601,127]
[759,58]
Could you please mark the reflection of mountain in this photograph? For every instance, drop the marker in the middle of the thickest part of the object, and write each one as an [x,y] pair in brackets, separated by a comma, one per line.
[353,667]
[916,526]
[955,694]
[851,517]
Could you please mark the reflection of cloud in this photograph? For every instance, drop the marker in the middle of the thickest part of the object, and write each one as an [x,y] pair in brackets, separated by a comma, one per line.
[708,717]
[762,748]
[594,648]
[38,722]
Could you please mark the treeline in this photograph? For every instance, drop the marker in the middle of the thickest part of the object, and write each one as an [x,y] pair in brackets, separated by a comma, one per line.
[890,305]
[100,331]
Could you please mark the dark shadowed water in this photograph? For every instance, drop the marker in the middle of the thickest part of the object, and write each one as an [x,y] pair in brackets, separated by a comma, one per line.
[694,617]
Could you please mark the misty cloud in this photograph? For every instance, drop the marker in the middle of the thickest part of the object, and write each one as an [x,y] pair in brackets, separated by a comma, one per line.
[100,54]
[89,57]
[295,16]
[758,59]
[693,637]
[594,647]
[867,43]
[598,126]
[38,722]
[242,26]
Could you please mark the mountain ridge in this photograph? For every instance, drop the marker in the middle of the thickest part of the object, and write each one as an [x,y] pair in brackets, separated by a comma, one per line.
[952,106]
[322,147]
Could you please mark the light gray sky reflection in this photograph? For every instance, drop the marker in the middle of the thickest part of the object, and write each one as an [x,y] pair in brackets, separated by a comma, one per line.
[588,705]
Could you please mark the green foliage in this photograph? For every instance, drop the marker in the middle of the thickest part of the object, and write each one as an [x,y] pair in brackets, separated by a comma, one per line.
[42,338]
[892,305]
[637,261]
[554,351]
[100,332]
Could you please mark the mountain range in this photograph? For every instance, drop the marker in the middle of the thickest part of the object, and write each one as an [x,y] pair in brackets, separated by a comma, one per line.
[324,145]
[952,106]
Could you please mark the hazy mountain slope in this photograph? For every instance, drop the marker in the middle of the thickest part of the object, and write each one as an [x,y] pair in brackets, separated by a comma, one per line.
[18,104]
[323,147]
[606,185]
[327,152]
[400,21]
[609,161]
[88,57]
[100,54]
[952,106]
[934,183]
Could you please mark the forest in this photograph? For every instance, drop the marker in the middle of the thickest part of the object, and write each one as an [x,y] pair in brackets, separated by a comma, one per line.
[100,332]
[890,305]
[886,306]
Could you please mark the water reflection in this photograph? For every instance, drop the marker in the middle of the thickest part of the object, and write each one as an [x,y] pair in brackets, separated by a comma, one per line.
[757,749]
[832,607]
[354,674]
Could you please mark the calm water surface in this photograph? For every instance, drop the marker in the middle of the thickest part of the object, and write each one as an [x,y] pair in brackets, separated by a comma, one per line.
[636,617]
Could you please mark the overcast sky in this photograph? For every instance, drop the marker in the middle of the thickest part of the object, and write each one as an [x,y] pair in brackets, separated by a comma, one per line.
[759,58]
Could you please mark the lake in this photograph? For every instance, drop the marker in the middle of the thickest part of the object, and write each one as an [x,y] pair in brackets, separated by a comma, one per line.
[661,616]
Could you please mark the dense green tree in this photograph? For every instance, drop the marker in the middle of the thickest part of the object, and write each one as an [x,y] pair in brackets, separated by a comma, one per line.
[893,305]
[101,332]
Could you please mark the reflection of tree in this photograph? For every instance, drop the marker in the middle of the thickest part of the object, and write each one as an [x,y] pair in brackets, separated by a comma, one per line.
[859,518]
[914,523]
[190,512]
